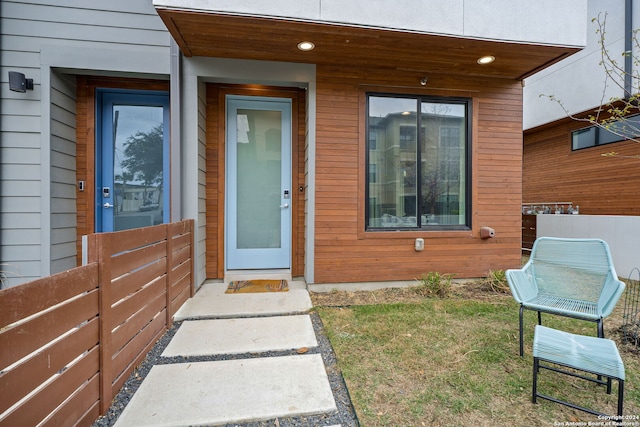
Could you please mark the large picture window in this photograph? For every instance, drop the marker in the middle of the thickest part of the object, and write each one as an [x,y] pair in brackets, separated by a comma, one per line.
[417,163]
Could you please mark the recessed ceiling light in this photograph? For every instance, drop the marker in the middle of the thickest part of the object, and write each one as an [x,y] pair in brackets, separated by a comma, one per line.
[306,46]
[486,60]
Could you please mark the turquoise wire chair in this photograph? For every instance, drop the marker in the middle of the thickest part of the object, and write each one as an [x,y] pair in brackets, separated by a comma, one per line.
[567,277]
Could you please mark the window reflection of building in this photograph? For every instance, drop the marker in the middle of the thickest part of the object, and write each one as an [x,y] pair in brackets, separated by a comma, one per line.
[133,197]
[396,197]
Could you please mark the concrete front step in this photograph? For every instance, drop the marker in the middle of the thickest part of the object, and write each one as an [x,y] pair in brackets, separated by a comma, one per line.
[244,335]
[212,301]
[230,391]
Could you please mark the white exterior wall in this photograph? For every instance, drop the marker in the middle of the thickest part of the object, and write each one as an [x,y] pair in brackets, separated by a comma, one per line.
[44,39]
[579,81]
[508,20]
[620,232]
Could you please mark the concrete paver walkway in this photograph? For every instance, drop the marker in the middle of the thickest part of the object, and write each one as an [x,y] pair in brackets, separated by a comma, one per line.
[206,393]
[243,389]
[237,336]
[211,301]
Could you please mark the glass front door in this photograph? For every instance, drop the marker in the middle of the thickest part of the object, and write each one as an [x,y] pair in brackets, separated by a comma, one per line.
[132,166]
[258,219]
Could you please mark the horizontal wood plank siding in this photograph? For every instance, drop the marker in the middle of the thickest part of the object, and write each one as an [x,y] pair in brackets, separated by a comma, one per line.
[599,185]
[344,252]
[214,188]
[299,182]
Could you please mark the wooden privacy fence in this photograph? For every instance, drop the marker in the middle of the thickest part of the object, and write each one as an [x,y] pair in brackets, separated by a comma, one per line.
[69,341]
[528,231]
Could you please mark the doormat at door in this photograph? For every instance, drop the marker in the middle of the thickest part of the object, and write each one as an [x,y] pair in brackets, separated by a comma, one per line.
[249,286]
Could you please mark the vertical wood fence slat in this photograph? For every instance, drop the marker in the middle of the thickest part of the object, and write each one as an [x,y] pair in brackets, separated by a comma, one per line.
[103,242]
[192,230]
[528,231]
[169,231]
[92,248]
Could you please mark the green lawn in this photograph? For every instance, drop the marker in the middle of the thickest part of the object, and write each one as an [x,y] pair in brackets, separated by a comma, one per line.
[455,362]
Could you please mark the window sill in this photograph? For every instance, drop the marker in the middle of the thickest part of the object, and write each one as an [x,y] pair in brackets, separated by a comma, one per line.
[406,233]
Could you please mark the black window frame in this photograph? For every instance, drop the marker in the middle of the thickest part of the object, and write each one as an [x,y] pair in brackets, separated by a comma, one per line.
[468,105]
[602,136]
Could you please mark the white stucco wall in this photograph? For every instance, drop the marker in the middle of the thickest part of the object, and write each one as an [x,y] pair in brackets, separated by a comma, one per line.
[554,22]
[579,81]
[620,232]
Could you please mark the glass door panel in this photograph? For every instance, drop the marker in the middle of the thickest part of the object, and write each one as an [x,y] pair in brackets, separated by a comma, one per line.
[133,166]
[259,166]
[258,226]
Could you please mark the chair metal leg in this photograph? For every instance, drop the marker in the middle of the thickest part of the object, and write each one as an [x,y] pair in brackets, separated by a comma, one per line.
[600,328]
[539,318]
[620,395]
[534,395]
[521,332]
[537,366]
[601,335]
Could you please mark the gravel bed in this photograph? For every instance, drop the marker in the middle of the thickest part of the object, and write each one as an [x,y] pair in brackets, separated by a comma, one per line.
[345,415]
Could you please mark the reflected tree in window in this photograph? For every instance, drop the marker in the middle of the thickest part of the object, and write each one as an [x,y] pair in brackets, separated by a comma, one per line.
[442,158]
[143,158]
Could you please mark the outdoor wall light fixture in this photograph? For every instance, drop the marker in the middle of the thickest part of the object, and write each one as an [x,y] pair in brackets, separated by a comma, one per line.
[424,81]
[484,60]
[18,83]
[306,46]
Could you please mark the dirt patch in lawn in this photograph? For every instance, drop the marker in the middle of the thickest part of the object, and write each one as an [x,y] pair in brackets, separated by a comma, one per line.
[468,289]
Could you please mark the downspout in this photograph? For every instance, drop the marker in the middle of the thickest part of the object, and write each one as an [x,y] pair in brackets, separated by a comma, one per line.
[628,49]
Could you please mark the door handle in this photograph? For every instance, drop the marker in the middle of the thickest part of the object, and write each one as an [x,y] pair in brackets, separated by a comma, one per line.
[285,206]
[107,205]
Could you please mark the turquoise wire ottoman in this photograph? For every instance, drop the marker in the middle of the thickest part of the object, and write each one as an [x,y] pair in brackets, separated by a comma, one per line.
[597,356]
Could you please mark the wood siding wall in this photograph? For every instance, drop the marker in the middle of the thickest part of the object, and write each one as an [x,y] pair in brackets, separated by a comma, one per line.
[599,185]
[215,172]
[214,186]
[344,251]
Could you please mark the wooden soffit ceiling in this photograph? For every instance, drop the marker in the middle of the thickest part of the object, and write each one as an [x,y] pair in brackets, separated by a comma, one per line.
[271,39]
